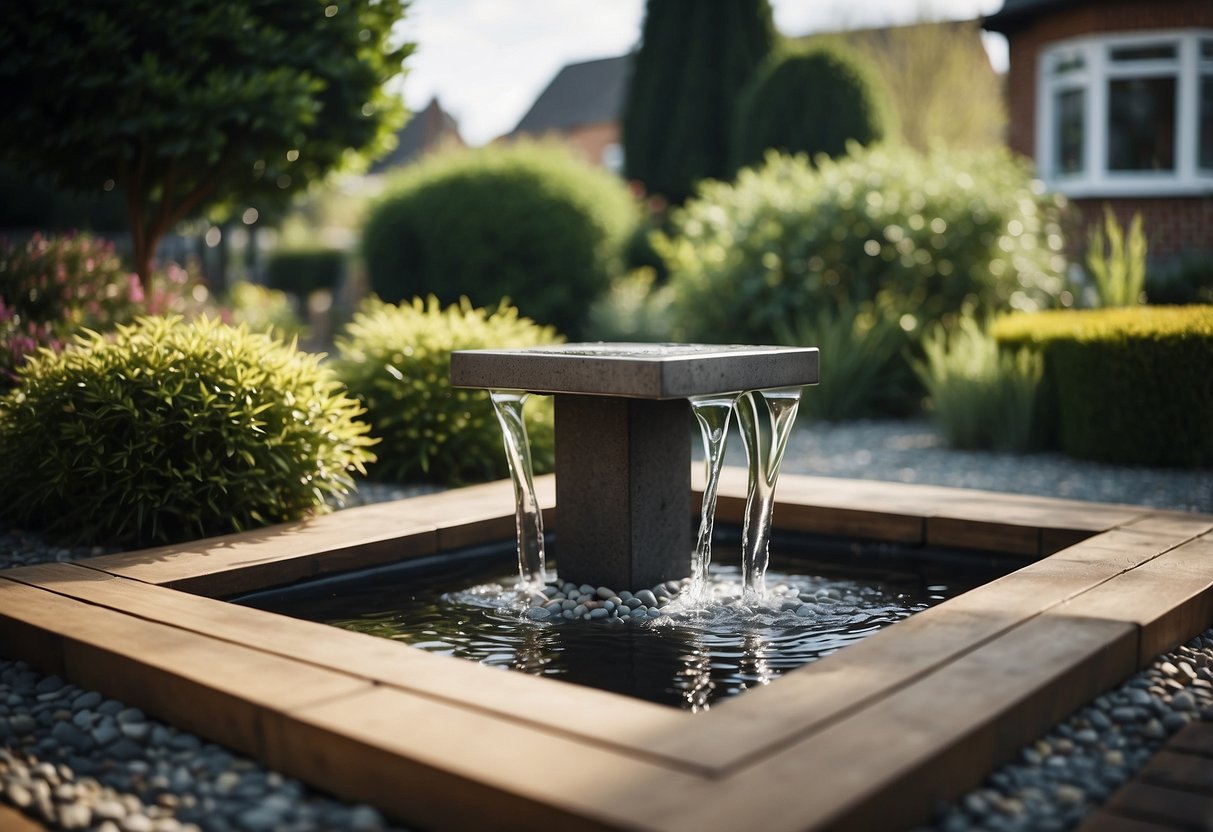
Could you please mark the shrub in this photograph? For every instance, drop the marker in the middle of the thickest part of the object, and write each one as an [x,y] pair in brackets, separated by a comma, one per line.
[302,271]
[811,99]
[525,221]
[262,310]
[397,361]
[1131,385]
[52,287]
[1116,262]
[923,237]
[980,396]
[860,356]
[167,430]
[635,308]
[1188,278]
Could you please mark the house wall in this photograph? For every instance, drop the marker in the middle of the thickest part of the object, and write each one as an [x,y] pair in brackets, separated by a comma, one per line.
[1173,225]
[589,141]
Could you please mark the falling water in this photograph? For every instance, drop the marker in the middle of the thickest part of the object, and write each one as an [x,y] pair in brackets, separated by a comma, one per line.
[765,455]
[713,414]
[507,404]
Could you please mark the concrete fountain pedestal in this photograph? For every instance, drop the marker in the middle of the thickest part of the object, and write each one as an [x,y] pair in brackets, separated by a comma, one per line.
[623,440]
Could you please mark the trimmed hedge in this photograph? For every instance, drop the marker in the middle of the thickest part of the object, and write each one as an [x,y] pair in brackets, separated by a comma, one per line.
[527,222]
[1129,385]
[304,270]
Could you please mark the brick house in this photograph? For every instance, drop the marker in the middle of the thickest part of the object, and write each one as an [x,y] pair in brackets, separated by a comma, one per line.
[1113,99]
[581,108]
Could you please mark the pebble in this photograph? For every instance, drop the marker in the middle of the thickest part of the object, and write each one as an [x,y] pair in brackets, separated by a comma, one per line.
[1081,762]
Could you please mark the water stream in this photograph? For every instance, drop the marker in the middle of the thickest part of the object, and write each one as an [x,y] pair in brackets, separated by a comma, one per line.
[507,404]
[713,414]
[764,453]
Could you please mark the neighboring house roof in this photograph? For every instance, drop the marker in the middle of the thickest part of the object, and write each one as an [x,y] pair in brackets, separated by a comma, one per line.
[1016,14]
[424,131]
[585,93]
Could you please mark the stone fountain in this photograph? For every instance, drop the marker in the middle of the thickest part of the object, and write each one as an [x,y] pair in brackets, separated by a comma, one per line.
[623,444]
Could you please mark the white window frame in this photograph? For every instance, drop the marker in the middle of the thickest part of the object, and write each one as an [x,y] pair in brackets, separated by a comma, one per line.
[1094,179]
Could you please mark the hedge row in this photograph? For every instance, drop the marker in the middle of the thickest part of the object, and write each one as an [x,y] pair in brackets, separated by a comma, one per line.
[1130,385]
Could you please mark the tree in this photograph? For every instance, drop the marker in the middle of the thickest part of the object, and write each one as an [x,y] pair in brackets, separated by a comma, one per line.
[194,104]
[944,90]
[811,99]
[693,59]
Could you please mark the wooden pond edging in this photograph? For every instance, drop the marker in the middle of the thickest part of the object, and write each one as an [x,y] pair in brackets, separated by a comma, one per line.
[872,737]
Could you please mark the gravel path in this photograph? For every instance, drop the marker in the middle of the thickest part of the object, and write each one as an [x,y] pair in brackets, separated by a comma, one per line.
[77,760]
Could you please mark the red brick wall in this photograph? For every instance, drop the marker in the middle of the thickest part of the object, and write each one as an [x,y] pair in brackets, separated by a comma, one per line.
[1173,225]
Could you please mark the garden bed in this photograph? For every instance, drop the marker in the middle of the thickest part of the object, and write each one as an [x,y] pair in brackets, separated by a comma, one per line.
[874,735]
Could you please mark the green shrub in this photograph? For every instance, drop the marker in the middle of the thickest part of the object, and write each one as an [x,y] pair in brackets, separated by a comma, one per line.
[262,310]
[53,287]
[528,222]
[304,270]
[635,308]
[811,99]
[980,396]
[50,287]
[1116,261]
[1187,278]
[928,236]
[1132,385]
[860,361]
[166,431]
[397,361]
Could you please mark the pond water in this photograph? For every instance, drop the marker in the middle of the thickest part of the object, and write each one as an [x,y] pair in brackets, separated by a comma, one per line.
[833,594]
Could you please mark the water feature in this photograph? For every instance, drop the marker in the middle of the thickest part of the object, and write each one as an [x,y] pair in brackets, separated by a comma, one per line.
[508,404]
[764,453]
[713,414]
[623,445]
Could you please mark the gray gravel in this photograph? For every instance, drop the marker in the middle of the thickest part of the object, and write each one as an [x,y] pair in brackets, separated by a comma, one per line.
[76,760]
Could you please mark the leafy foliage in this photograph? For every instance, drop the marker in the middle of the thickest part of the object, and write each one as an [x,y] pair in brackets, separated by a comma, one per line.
[52,287]
[944,91]
[193,103]
[980,396]
[635,308]
[861,350]
[694,58]
[302,271]
[527,221]
[262,310]
[811,99]
[1188,278]
[397,361]
[1129,385]
[1116,262]
[167,430]
[924,236]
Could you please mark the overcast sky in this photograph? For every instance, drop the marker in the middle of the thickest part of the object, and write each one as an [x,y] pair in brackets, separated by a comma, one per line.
[487,60]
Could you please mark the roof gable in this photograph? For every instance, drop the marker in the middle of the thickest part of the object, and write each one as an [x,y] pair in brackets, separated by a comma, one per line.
[590,92]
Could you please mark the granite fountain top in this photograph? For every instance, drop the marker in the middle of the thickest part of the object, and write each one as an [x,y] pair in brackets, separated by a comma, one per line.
[634,370]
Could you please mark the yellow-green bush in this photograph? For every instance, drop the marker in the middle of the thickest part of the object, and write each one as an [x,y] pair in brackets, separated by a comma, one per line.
[165,431]
[1129,385]
[397,361]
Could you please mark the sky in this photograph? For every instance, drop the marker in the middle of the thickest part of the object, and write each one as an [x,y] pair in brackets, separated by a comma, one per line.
[488,60]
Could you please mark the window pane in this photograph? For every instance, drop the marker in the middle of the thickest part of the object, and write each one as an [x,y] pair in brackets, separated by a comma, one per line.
[1205,161]
[1206,50]
[1148,52]
[1067,63]
[1069,139]
[1141,124]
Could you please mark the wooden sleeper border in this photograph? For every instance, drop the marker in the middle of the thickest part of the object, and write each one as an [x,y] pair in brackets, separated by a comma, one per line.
[872,737]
